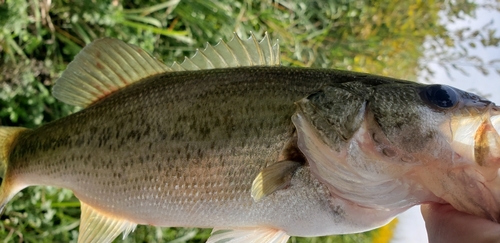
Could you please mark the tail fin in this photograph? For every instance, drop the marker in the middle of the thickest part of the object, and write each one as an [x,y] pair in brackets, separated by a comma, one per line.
[7,137]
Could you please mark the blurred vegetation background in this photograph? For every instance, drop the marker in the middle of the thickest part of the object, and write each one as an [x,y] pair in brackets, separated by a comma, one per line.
[39,38]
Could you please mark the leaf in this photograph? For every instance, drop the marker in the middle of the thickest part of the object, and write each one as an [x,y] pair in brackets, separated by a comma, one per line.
[461,70]
[179,35]
[483,70]
[146,20]
[148,10]
[81,32]
[494,61]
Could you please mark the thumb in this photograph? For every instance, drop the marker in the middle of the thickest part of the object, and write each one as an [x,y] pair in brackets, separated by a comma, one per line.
[445,224]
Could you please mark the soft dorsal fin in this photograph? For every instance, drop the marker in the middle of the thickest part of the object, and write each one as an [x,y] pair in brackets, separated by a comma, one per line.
[103,67]
[235,53]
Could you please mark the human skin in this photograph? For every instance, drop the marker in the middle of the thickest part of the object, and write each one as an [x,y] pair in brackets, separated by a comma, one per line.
[445,224]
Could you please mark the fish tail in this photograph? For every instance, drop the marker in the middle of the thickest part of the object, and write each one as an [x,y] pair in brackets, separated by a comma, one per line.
[8,136]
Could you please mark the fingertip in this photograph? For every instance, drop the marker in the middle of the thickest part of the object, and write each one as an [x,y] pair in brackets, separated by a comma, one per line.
[425,210]
[430,209]
[446,224]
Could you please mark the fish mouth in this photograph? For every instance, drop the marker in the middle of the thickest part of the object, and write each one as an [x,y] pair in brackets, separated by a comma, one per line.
[475,136]
[472,179]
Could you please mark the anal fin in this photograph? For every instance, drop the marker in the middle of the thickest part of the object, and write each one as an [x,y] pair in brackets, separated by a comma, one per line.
[97,227]
[273,177]
[248,235]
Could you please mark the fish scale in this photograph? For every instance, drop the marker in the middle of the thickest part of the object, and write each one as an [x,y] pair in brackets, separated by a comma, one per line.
[256,152]
[236,140]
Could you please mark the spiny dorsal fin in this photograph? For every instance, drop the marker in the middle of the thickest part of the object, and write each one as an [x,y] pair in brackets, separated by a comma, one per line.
[235,53]
[248,235]
[97,227]
[103,67]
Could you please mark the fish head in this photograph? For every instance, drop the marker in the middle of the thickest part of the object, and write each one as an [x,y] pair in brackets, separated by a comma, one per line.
[393,145]
[468,176]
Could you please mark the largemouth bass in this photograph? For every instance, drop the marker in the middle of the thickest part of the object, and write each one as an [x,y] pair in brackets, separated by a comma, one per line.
[230,140]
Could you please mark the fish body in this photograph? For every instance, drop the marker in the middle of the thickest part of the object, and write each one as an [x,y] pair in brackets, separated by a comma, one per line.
[177,153]
[255,151]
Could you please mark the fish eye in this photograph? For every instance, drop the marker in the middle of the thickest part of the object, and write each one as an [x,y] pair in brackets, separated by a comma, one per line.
[441,96]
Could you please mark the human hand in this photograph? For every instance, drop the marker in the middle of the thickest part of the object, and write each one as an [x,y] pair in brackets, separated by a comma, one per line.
[445,224]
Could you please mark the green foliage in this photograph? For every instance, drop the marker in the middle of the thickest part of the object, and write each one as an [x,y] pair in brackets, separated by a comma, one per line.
[39,38]
[41,215]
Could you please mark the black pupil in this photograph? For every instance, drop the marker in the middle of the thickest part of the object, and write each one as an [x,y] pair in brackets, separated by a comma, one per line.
[442,96]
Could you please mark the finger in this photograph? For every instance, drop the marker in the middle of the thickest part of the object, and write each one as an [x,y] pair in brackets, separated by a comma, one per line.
[445,224]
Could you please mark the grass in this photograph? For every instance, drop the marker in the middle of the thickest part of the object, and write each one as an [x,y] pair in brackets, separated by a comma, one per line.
[39,38]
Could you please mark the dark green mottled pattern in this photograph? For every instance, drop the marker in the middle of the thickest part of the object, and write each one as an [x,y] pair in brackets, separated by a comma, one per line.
[173,144]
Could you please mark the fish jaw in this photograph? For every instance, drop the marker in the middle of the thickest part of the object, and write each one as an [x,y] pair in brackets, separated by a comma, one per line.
[470,180]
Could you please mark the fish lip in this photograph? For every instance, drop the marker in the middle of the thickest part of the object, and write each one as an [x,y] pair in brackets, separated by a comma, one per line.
[495,120]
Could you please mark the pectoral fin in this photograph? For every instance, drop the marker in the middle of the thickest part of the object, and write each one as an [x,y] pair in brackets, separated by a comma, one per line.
[98,227]
[273,177]
[248,235]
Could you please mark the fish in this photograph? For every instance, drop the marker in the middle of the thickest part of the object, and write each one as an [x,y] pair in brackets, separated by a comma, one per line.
[231,140]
